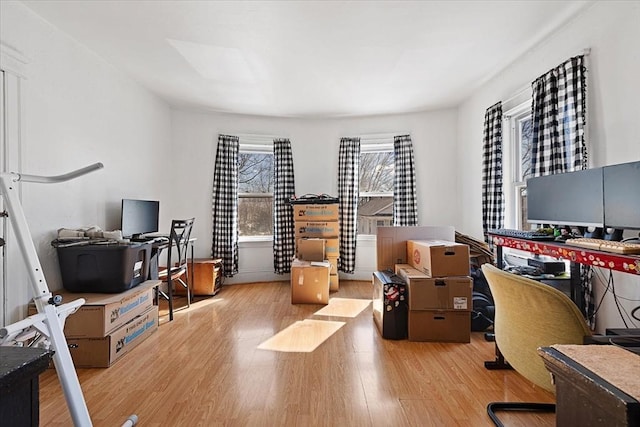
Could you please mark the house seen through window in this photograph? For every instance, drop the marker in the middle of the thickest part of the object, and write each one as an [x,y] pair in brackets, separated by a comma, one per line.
[377,172]
[255,190]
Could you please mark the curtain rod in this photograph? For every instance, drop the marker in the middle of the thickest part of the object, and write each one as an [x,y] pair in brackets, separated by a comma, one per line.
[253,137]
[586,52]
[379,136]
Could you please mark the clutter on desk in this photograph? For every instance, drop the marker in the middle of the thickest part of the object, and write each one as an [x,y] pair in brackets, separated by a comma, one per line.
[92,235]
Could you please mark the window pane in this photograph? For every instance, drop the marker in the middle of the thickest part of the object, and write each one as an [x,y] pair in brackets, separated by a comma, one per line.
[522,196]
[255,216]
[255,173]
[374,212]
[377,171]
[255,176]
[525,133]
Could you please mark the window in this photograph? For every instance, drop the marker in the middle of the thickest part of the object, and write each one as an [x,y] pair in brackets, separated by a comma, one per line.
[255,190]
[377,172]
[520,142]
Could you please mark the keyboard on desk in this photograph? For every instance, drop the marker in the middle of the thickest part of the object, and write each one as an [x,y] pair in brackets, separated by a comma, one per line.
[522,234]
[625,248]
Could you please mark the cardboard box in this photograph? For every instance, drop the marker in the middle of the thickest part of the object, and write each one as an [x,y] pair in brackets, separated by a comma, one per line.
[332,247]
[439,325]
[391,242]
[313,212]
[439,258]
[316,229]
[310,249]
[206,277]
[103,352]
[429,293]
[334,282]
[309,282]
[334,265]
[103,313]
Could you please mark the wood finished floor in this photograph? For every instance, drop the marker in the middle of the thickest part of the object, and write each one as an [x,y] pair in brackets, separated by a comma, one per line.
[204,369]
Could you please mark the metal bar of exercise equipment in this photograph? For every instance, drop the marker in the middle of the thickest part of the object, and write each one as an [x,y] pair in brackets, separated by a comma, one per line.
[49,322]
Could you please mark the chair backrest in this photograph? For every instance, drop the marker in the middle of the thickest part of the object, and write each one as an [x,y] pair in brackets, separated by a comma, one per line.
[179,241]
[529,315]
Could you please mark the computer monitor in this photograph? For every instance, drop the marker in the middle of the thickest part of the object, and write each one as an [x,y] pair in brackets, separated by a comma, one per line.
[567,199]
[622,196]
[139,217]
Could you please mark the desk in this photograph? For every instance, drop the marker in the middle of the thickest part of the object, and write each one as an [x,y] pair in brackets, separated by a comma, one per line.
[624,263]
[19,384]
[618,262]
[596,385]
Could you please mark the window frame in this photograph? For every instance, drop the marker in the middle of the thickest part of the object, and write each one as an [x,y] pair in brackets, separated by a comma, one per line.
[256,146]
[380,144]
[513,173]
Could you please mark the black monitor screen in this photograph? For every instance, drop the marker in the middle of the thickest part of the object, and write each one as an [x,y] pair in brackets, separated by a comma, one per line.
[572,198]
[622,196]
[139,217]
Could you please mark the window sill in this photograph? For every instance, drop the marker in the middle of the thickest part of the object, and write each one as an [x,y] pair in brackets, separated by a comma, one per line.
[255,241]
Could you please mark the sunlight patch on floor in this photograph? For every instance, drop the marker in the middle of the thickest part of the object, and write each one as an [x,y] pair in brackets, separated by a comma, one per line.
[344,307]
[303,336]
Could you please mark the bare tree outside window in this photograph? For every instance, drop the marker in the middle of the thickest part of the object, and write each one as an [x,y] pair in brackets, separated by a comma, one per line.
[255,194]
[526,135]
[375,205]
[523,146]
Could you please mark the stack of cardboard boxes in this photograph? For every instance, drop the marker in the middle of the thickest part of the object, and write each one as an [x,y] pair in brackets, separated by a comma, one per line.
[435,270]
[439,289]
[108,326]
[317,251]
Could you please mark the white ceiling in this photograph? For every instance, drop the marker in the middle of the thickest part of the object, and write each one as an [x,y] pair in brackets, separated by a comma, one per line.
[309,58]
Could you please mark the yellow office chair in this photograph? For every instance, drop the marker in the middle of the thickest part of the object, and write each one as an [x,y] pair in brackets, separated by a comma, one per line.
[175,273]
[529,315]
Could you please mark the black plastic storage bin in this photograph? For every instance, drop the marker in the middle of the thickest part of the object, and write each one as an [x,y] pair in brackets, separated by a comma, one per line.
[390,305]
[104,268]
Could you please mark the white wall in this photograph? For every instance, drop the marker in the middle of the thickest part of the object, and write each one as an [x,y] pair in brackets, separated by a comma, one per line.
[612,31]
[315,146]
[80,110]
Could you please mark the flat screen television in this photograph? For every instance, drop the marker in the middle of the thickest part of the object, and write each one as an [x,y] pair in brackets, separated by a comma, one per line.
[567,199]
[622,196]
[139,217]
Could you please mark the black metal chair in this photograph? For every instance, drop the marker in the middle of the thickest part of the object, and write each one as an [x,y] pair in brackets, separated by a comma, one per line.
[175,273]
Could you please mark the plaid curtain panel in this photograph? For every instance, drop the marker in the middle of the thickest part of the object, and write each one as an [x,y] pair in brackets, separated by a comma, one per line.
[492,197]
[405,206]
[559,115]
[559,118]
[225,204]
[348,193]
[283,189]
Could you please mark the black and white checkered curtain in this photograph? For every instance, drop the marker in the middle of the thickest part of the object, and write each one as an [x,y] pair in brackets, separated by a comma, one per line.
[559,115]
[225,203]
[283,189]
[348,193]
[492,196]
[405,205]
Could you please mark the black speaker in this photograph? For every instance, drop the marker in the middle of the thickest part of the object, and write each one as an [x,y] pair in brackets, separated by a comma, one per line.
[483,312]
[613,234]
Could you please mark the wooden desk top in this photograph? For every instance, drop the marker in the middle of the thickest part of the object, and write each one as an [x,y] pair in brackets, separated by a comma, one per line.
[613,364]
[20,363]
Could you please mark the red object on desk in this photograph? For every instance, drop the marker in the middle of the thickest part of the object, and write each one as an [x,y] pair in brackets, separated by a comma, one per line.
[624,263]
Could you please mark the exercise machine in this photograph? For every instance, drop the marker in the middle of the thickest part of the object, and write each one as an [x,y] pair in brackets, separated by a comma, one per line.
[45,329]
